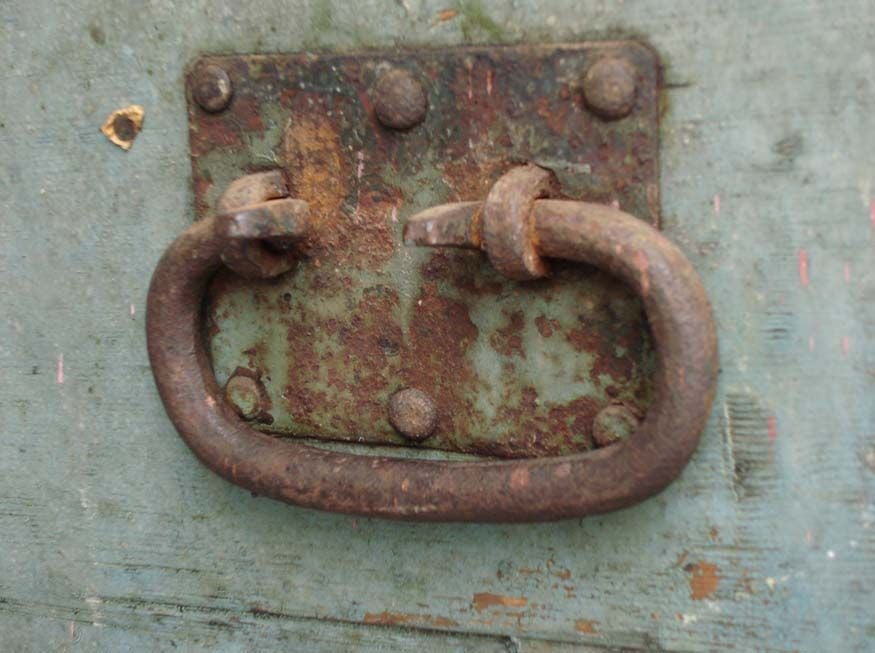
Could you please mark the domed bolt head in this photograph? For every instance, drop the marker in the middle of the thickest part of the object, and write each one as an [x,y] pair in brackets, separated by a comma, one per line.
[609,88]
[399,99]
[614,423]
[211,88]
[246,394]
[413,414]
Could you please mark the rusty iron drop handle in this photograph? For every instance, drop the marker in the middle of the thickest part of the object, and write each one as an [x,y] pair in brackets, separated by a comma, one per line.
[537,489]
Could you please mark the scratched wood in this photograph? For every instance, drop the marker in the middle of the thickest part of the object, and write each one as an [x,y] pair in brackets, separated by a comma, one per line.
[116,538]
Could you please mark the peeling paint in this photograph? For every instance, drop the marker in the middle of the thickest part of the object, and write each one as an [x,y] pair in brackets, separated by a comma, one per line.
[484,600]
[704,579]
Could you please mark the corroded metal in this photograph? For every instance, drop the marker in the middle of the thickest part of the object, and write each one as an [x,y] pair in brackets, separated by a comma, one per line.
[609,87]
[614,423]
[413,413]
[533,489]
[211,88]
[506,226]
[399,100]
[259,222]
[516,370]
[245,392]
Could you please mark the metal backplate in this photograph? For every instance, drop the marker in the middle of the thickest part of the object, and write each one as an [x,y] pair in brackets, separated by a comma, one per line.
[516,369]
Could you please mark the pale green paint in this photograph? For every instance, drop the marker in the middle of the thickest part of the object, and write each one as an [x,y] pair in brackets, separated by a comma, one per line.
[116,538]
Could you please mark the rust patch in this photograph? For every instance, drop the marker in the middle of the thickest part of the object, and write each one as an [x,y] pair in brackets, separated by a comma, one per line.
[387,618]
[508,339]
[484,600]
[704,579]
[441,331]
[546,326]
[586,626]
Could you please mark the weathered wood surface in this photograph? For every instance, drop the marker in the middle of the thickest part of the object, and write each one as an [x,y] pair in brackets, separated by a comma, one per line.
[115,538]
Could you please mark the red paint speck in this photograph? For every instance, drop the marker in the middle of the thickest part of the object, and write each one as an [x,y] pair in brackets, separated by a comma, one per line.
[773,428]
[872,212]
[846,345]
[717,204]
[803,268]
[60,368]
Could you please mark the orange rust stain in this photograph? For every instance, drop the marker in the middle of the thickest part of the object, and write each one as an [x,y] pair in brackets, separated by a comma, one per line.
[387,618]
[704,579]
[313,153]
[483,600]
[447,14]
[519,478]
[585,626]
[643,265]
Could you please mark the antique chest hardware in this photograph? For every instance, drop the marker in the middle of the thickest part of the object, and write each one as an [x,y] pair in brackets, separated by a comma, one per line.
[558,146]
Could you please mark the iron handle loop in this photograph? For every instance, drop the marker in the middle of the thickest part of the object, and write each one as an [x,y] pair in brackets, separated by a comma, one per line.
[537,489]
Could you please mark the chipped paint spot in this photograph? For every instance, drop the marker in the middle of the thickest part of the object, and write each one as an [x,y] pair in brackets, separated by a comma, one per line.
[585,626]
[773,428]
[704,579]
[133,310]
[483,600]
[360,167]
[687,619]
[122,126]
[803,268]
[60,368]
[716,202]
[387,618]
[446,14]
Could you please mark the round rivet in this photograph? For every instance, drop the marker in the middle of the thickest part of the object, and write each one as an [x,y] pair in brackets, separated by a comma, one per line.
[612,424]
[211,88]
[413,414]
[399,99]
[246,394]
[609,87]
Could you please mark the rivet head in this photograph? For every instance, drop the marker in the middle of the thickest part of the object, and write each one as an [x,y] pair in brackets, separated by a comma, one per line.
[609,88]
[399,99]
[614,423]
[413,414]
[247,395]
[211,88]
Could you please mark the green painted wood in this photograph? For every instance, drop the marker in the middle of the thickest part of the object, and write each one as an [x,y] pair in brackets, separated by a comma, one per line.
[116,538]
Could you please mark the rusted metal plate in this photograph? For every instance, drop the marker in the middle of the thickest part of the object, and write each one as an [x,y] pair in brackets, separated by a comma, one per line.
[515,368]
